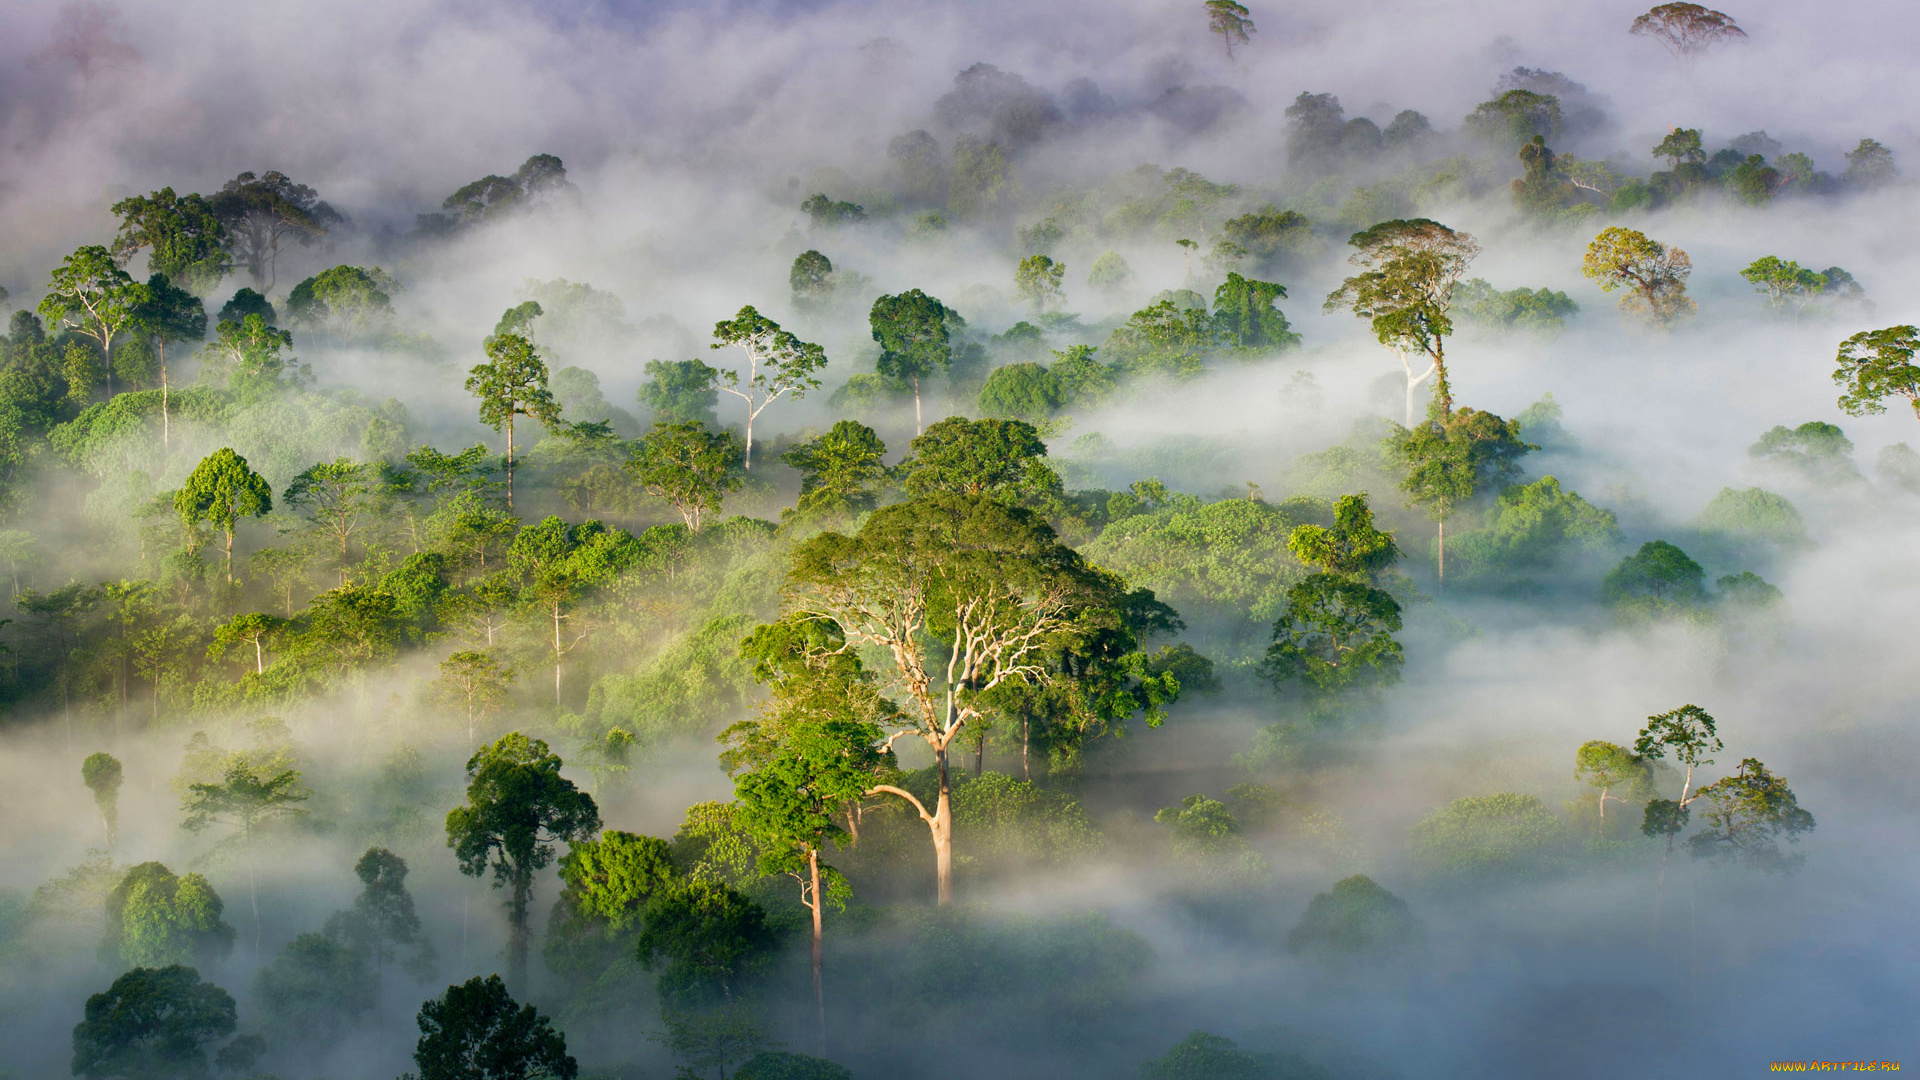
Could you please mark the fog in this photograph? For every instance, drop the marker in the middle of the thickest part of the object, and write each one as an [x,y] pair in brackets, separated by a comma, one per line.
[691,134]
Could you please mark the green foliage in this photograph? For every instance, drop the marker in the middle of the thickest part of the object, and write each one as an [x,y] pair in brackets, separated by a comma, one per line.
[681,392]
[1748,815]
[1658,580]
[1229,557]
[102,774]
[1820,452]
[693,469]
[1875,365]
[155,919]
[476,1031]
[183,237]
[1005,821]
[998,458]
[1336,636]
[825,213]
[1541,311]
[1356,920]
[1408,270]
[1026,392]
[1351,547]
[1038,279]
[1203,1055]
[1244,315]
[1109,273]
[1870,166]
[1489,837]
[1757,514]
[313,992]
[1450,461]
[1514,119]
[382,919]
[1653,275]
[1533,526]
[153,1023]
[348,303]
[706,939]
[786,1065]
[840,471]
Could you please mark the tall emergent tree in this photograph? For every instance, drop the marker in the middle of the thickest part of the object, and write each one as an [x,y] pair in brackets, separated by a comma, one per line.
[1606,766]
[518,805]
[690,467]
[153,1022]
[1747,816]
[1230,20]
[260,212]
[1687,30]
[102,774]
[182,236]
[169,314]
[1688,735]
[911,328]
[1408,270]
[155,918]
[513,382]
[778,364]
[245,800]
[1450,461]
[382,918]
[1875,365]
[90,295]
[964,594]
[1654,275]
[474,683]
[1038,279]
[221,491]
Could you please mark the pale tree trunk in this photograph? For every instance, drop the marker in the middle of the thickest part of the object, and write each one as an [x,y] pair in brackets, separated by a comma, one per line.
[166,423]
[819,995]
[259,662]
[918,426]
[747,457]
[1026,746]
[509,461]
[556,655]
[942,827]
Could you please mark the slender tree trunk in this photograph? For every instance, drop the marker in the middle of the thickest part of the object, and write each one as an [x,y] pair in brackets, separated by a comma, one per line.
[918,426]
[1026,746]
[229,556]
[942,828]
[556,656]
[259,663]
[166,423]
[509,460]
[747,460]
[1443,555]
[517,932]
[819,995]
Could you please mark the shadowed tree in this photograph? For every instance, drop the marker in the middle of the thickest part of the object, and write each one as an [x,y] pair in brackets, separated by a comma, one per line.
[1038,279]
[102,774]
[245,800]
[263,211]
[476,1031]
[338,497]
[183,238]
[382,919]
[1408,270]
[168,314]
[778,365]
[314,992]
[1449,462]
[811,280]
[512,383]
[153,1023]
[475,684]
[518,805]
[1748,814]
[221,491]
[1875,365]
[1653,274]
[1230,20]
[90,295]
[154,918]
[1335,636]
[681,391]
[911,328]
[1687,734]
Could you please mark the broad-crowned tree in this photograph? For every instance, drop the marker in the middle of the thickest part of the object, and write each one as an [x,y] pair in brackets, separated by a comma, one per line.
[811,280]
[1875,365]
[1870,166]
[1351,547]
[1408,270]
[707,941]
[964,594]
[778,365]
[1451,460]
[1027,392]
[181,234]
[153,1023]
[1356,920]
[558,564]
[382,920]
[314,992]
[245,800]
[169,314]
[344,303]
[1687,30]
[1230,20]
[154,918]
[1606,766]
[518,806]
[1788,286]
[839,470]
[253,630]
[476,1031]
[221,491]
[1747,816]
[102,774]
[1653,274]
[245,356]
[512,383]
[693,469]
[915,343]
[681,391]
[1681,146]
[519,319]
[339,499]
[1659,579]
[1244,313]
[475,684]
[1002,459]
[262,212]
[90,295]
[1038,279]
[1335,637]
[1688,735]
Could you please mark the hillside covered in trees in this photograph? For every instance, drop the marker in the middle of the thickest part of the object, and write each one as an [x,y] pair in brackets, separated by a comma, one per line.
[1166,540]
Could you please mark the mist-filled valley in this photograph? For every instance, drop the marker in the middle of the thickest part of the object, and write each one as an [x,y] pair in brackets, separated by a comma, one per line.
[811,541]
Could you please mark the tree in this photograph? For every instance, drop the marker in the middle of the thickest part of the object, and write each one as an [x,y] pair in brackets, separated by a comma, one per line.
[518,805]
[153,1022]
[825,213]
[1405,287]
[1784,284]
[1654,275]
[557,563]
[336,496]
[1335,636]
[680,391]
[93,297]
[102,774]
[382,918]
[1747,816]
[1681,146]
[314,990]
[1026,392]
[690,467]
[474,683]
[260,212]
[1243,310]
[778,364]
[246,801]
[221,491]
[1038,279]
[811,280]
[912,329]
[1356,919]
[1203,1055]
[1688,735]
[251,629]
[964,594]
[1229,19]
[1448,462]
[1606,766]
[788,799]
[706,939]
[184,238]
[476,1031]
[518,319]
[787,1065]
[245,356]
[344,301]
[154,919]
[1503,835]
[512,383]
[1687,30]
[839,470]
[1109,273]
[1875,365]
[169,314]
[1659,579]
[1002,459]
[1352,547]
[1515,118]
[1870,166]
